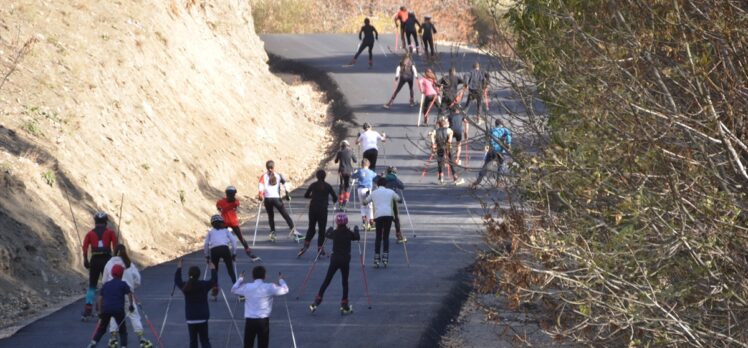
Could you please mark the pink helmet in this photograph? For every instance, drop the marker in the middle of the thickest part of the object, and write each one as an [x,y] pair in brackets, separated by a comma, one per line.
[341,219]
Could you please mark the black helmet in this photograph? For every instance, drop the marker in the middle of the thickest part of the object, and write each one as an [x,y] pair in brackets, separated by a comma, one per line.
[367,126]
[391,170]
[216,219]
[101,217]
[320,174]
[269,164]
[230,190]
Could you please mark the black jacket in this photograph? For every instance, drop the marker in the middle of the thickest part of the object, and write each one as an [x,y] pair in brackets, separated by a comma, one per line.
[341,239]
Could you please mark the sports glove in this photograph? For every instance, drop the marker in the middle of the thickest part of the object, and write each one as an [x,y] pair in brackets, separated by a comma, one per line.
[131,308]
[85,262]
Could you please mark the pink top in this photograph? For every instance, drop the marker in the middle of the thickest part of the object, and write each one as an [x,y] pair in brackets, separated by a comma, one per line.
[427,87]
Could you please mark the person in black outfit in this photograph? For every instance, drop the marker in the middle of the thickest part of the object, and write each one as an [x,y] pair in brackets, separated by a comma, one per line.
[476,83]
[345,159]
[457,123]
[196,309]
[318,192]
[369,35]
[449,86]
[427,35]
[411,31]
[340,259]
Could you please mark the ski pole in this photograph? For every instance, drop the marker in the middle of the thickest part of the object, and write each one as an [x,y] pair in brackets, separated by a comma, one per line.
[420,112]
[288,313]
[363,271]
[380,47]
[119,219]
[405,204]
[257,223]
[75,222]
[405,247]
[231,313]
[311,268]
[425,165]
[426,115]
[166,314]
[148,321]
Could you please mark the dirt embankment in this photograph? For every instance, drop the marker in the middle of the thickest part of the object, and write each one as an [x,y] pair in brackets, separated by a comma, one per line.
[166,102]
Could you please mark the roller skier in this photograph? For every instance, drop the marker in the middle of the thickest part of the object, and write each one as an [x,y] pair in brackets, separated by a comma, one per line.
[101,241]
[404,73]
[498,149]
[369,34]
[448,84]
[394,184]
[345,160]
[476,84]
[196,308]
[368,140]
[427,32]
[400,18]
[269,191]
[227,206]
[318,192]
[111,300]
[131,276]
[441,145]
[383,200]
[430,91]
[220,245]
[412,25]
[340,259]
[364,177]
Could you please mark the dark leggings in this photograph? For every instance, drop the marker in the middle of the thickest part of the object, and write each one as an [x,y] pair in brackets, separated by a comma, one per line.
[238,233]
[490,157]
[318,218]
[408,34]
[199,332]
[371,155]
[337,262]
[345,183]
[278,204]
[96,268]
[428,41]
[223,252]
[259,328]
[444,156]
[103,325]
[400,84]
[429,103]
[364,44]
[478,97]
[383,225]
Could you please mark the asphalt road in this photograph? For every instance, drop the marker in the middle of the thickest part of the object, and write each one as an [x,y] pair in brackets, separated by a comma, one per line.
[408,302]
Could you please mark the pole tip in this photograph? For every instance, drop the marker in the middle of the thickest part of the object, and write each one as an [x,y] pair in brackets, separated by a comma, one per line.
[369,307]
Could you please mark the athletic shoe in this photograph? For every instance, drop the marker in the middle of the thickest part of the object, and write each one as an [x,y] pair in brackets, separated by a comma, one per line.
[313,307]
[113,341]
[297,236]
[459,181]
[387,106]
[440,181]
[254,258]
[377,259]
[271,236]
[302,250]
[346,309]
[144,343]
[385,259]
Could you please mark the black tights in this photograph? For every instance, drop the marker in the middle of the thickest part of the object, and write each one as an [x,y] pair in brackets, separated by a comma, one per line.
[278,204]
[318,218]
[361,48]
[408,34]
[337,262]
[383,225]
[103,325]
[400,84]
[428,41]
[199,332]
[223,252]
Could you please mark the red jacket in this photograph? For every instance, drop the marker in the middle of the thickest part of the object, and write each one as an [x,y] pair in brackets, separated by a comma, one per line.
[228,211]
[107,243]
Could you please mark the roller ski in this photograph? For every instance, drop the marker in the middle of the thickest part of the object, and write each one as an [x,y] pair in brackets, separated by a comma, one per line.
[321,251]
[87,313]
[271,237]
[313,306]
[303,249]
[297,237]
[377,260]
[252,257]
[400,238]
[346,309]
[385,259]
[144,343]
[113,341]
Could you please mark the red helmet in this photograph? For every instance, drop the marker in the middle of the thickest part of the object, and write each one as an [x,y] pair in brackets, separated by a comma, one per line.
[341,219]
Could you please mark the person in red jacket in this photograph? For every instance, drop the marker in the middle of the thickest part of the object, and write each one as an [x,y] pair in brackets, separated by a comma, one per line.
[227,206]
[101,241]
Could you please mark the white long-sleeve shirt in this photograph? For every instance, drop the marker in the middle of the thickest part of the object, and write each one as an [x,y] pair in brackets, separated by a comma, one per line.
[259,296]
[271,191]
[368,139]
[131,276]
[382,198]
[397,71]
[216,237]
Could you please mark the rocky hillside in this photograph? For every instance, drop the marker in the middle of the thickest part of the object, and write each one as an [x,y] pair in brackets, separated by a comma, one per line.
[163,103]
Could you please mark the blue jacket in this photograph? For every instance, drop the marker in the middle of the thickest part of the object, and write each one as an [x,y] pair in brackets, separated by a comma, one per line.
[503,134]
[365,177]
[196,300]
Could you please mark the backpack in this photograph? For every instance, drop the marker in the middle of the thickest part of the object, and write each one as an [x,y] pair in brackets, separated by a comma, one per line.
[442,136]
[406,69]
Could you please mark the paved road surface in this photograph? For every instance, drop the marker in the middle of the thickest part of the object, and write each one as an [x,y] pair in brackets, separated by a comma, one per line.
[406,300]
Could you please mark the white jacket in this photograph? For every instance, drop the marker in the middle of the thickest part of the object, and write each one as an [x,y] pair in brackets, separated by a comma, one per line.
[131,275]
[220,237]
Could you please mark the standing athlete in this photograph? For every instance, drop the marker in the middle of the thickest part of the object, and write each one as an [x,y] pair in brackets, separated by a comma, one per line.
[427,34]
[258,306]
[318,191]
[340,259]
[405,73]
[220,245]
[131,276]
[112,304]
[476,83]
[364,177]
[368,141]
[400,18]
[345,159]
[270,194]
[383,200]
[449,87]
[410,31]
[101,241]
[227,206]
[369,34]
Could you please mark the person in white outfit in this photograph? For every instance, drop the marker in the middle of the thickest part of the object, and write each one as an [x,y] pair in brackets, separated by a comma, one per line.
[220,244]
[131,276]
[368,141]
[258,305]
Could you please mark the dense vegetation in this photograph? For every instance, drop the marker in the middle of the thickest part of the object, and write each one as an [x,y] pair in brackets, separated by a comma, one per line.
[633,228]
